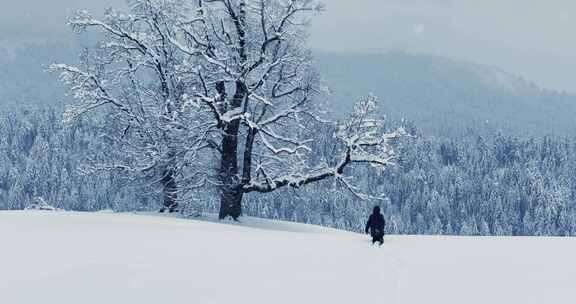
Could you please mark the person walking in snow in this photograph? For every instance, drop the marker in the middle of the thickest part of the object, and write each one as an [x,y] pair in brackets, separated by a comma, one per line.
[375,225]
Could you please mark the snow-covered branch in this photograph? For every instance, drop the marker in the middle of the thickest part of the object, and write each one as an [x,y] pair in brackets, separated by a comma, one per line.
[363,142]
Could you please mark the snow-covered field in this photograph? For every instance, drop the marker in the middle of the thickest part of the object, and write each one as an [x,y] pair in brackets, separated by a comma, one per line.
[65,257]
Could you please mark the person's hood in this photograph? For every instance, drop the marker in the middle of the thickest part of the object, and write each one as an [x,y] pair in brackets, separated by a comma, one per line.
[376,210]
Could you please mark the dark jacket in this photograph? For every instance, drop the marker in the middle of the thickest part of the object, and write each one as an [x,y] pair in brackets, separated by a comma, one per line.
[376,222]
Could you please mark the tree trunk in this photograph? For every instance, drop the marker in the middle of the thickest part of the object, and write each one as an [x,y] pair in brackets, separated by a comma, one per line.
[231,192]
[231,202]
[169,191]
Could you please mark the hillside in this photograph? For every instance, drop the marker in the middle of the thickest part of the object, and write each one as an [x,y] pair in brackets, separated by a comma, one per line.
[67,257]
[24,79]
[442,95]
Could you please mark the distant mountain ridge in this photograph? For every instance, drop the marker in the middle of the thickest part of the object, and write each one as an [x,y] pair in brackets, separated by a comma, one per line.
[24,80]
[439,93]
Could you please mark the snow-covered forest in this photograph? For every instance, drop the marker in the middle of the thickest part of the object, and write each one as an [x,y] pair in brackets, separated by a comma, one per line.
[40,157]
[477,184]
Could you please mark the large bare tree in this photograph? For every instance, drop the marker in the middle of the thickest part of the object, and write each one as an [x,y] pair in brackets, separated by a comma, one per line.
[224,86]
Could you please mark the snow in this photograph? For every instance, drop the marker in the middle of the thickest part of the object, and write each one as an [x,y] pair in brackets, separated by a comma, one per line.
[67,257]
[495,77]
[38,203]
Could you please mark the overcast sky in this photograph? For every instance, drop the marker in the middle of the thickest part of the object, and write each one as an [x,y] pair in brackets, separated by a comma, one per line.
[532,38]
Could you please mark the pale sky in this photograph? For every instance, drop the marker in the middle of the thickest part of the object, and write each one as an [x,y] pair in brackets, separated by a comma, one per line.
[532,38]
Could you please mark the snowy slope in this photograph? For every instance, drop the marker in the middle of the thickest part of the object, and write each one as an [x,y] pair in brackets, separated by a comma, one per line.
[58,257]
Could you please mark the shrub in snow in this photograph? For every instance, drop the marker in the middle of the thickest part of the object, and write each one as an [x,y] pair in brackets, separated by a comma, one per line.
[39,203]
[106,211]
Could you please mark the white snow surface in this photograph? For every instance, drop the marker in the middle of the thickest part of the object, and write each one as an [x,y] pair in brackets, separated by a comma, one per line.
[68,257]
